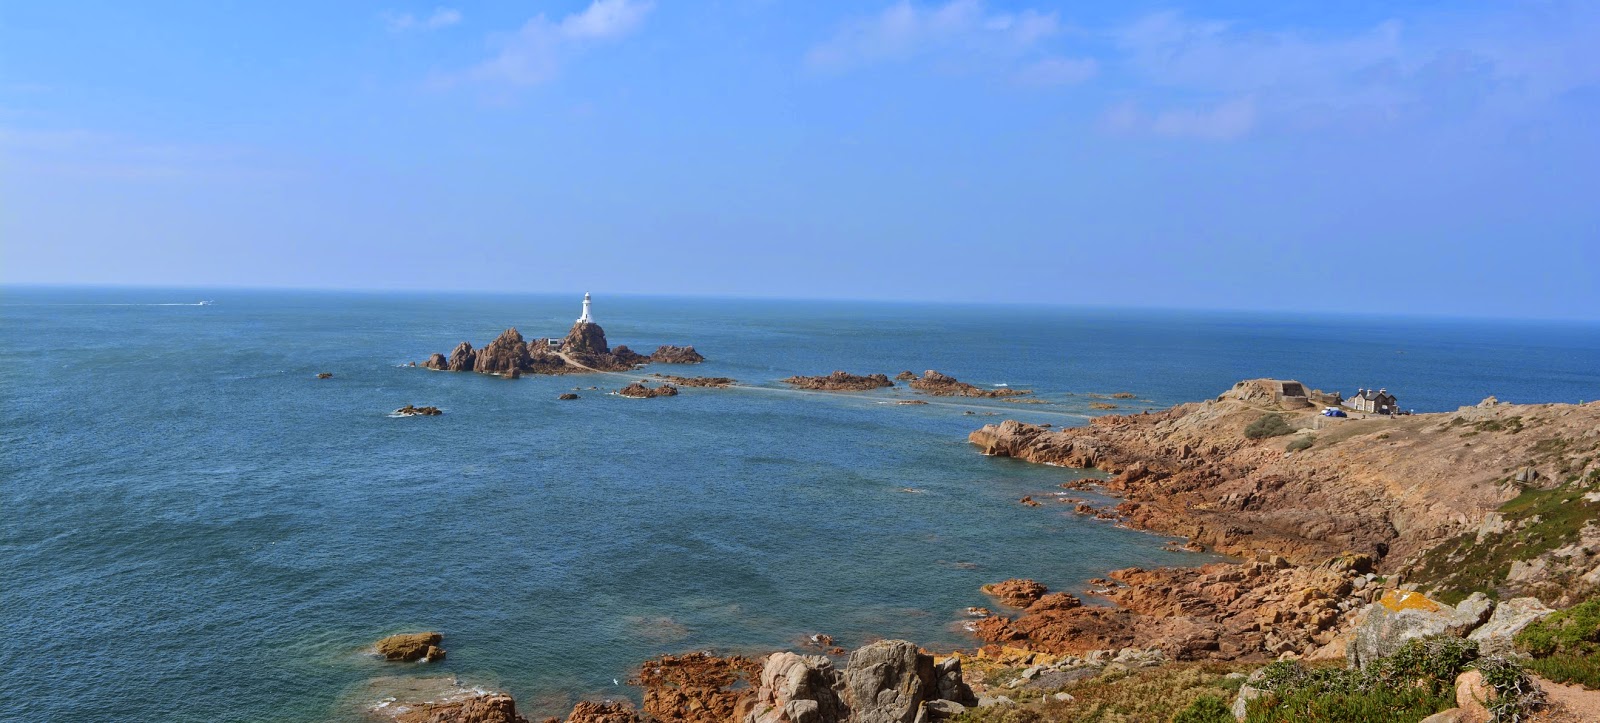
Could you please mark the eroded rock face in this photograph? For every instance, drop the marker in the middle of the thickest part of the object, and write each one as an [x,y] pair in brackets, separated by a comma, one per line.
[840,382]
[698,688]
[507,353]
[585,337]
[888,681]
[799,689]
[1399,616]
[437,362]
[668,354]
[408,647]
[935,384]
[1018,593]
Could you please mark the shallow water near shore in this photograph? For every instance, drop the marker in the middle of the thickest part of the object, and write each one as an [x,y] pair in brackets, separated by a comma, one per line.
[197,528]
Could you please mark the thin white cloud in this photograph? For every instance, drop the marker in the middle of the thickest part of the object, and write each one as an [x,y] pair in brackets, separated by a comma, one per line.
[442,17]
[1058,71]
[1223,121]
[958,28]
[536,52]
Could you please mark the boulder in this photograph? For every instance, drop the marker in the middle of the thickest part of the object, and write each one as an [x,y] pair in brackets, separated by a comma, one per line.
[1508,619]
[567,396]
[1402,615]
[411,646]
[951,685]
[799,689]
[888,681]
[437,362]
[1472,697]
[937,710]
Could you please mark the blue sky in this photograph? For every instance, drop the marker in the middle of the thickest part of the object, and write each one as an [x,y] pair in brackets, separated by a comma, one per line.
[1428,158]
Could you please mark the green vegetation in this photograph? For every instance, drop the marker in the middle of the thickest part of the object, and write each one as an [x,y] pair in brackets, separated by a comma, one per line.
[1509,424]
[1268,425]
[1566,645]
[1415,682]
[1301,442]
[1537,521]
[1205,709]
[1148,694]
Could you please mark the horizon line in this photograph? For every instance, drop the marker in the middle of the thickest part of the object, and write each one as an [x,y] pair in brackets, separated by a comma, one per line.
[839,299]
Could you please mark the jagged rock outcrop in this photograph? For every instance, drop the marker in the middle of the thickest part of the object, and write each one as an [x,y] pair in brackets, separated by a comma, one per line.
[603,712]
[840,382]
[668,354]
[891,681]
[408,647]
[462,358]
[799,689]
[438,362]
[905,376]
[507,353]
[935,384]
[638,390]
[584,339]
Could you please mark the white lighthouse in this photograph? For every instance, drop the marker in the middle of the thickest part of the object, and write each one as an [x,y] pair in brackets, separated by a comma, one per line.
[586,318]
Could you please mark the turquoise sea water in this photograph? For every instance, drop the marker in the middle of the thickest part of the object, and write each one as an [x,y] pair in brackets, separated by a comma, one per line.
[197,529]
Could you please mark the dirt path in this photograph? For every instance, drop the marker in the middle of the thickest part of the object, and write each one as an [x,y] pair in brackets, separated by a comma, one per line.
[1569,703]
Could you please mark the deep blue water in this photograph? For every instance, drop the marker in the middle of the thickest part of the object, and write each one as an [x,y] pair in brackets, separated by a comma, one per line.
[197,529]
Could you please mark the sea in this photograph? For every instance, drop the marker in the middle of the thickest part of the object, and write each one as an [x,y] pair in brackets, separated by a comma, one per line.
[196,528]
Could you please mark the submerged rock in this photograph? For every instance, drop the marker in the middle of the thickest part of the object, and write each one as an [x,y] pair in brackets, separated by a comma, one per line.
[567,396]
[414,411]
[840,382]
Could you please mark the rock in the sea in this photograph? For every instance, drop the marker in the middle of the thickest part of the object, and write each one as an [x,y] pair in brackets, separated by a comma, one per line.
[799,689]
[905,376]
[1402,615]
[325,375]
[638,390]
[408,647]
[462,358]
[1508,619]
[567,396]
[486,708]
[1016,592]
[840,382]
[668,354]
[437,362]
[415,411]
[935,384]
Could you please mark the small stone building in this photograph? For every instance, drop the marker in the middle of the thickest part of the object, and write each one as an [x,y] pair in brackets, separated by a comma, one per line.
[1373,401]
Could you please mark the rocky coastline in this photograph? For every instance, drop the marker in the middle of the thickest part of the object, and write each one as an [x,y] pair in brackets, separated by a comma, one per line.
[1348,536]
[935,384]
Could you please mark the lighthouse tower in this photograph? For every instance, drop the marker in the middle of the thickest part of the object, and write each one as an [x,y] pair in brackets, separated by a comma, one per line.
[586,318]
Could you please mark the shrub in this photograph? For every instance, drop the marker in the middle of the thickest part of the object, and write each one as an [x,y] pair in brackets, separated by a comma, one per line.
[1301,442]
[1415,682]
[1566,645]
[1205,709]
[1268,425]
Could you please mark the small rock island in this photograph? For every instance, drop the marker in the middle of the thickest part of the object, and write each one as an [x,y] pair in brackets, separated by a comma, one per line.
[583,350]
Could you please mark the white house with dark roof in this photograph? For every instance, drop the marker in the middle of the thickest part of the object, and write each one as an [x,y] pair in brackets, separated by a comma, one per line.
[1374,401]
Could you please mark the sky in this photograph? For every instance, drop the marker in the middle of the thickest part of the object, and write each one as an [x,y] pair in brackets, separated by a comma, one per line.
[1377,157]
